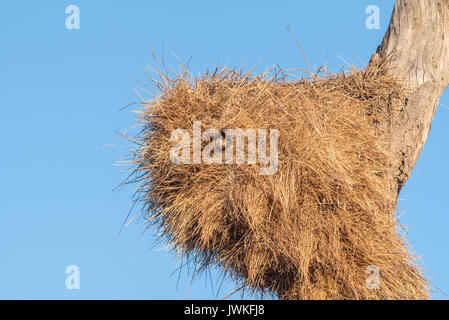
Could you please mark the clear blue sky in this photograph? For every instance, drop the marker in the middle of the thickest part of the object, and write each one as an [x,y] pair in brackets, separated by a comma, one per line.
[60,95]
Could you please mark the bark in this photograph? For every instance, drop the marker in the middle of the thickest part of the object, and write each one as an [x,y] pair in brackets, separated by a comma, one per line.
[416,47]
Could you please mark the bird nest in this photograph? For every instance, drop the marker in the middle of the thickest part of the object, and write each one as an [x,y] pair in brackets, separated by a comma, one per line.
[313,216]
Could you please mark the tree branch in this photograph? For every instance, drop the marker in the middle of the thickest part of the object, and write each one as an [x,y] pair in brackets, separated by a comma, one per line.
[416,48]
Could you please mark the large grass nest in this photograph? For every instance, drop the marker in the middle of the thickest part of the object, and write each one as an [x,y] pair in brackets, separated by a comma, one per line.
[317,227]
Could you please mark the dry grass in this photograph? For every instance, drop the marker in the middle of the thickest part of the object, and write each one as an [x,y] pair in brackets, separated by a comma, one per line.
[307,232]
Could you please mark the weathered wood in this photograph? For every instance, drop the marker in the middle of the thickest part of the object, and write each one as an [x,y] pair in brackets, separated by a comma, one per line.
[416,46]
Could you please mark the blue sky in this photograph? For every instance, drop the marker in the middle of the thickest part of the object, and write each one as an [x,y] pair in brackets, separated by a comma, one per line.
[61,91]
